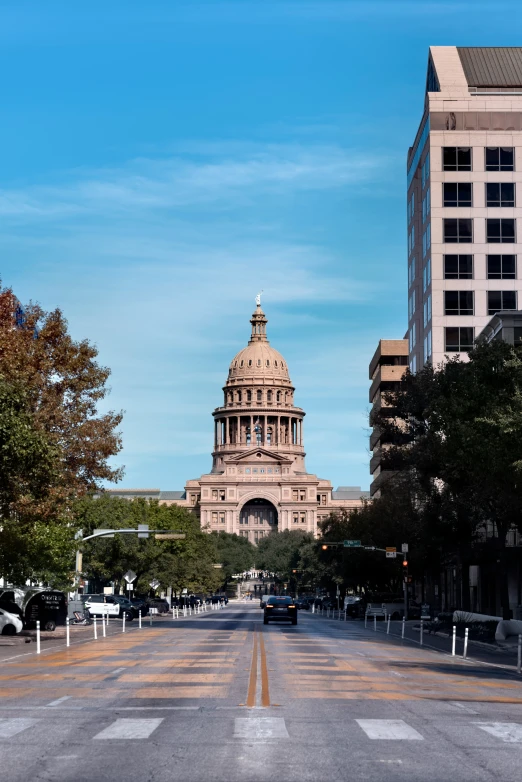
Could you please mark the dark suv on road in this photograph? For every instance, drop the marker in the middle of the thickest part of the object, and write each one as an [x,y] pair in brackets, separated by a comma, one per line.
[277,608]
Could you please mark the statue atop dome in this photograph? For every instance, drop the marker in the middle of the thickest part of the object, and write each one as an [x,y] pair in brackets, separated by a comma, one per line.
[258,299]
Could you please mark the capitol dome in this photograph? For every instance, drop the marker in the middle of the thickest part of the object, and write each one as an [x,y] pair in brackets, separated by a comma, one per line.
[259,361]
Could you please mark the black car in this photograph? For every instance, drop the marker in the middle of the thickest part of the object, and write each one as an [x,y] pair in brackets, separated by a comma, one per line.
[277,608]
[302,602]
[139,604]
[160,604]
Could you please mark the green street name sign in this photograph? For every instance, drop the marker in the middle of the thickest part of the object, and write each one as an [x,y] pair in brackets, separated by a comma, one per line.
[351,543]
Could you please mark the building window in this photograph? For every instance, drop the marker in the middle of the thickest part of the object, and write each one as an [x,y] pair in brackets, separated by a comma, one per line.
[239,397]
[426,204]
[413,336]
[295,518]
[501,300]
[303,518]
[426,275]
[500,230]
[413,365]
[214,494]
[426,240]
[302,495]
[500,194]
[249,396]
[411,208]
[259,396]
[458,267]
[295,494]
[459,338]
[458,302]
[250,362]
[411,305]
[214,517]
[425,171]
[458,229]
[502,267]
[247,470]
[268,396]
[411,239]
[193,499]
[427,311]
[411,272]
[427,347]
[221,518]
[279,396]
[456,158]
[222,495]
[457,193]
[500,159]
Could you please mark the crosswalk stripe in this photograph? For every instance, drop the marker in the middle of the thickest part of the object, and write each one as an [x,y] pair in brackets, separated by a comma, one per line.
[10,727]
[130,729]
[389,729]
[260,728]
[509,732]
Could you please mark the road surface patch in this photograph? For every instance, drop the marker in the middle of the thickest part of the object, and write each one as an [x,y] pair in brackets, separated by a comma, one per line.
[10,727]
[394,730]
[509,732]
[130,729]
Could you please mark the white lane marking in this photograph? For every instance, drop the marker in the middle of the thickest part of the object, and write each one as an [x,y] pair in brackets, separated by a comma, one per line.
[59,700]
[118,670]
[464,708]
[130,729]
[10,727]
[396,673]
[389,729]
[398,762]
[260,728]
[509,732]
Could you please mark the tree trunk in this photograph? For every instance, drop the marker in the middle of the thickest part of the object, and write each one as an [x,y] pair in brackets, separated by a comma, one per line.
[502,579]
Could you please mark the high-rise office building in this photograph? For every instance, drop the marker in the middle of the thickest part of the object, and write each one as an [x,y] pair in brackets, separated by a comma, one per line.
[464,220]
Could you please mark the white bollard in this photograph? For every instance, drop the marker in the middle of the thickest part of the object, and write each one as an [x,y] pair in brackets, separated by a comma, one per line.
[95,630]
[173,611]
[123,623]
[454,642]
[388,626]
[139,619]
[104,629]
[313,608]
[519,661]
[37,637]
[465,654]
[422,632]
[375,622]
[403,626]
[67,636]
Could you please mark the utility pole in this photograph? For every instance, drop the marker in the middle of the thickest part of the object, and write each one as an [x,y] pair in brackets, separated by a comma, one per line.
[405,577]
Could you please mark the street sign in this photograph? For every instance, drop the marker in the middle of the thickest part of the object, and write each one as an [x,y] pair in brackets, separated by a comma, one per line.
[130,576]
[390,554]
[218,565]
[154,583]
[404,548]
[143,530]
[130,587]
[170,536]
[103,531]
[351,543]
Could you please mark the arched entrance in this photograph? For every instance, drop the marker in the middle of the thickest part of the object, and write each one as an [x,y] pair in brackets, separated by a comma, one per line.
[257,519]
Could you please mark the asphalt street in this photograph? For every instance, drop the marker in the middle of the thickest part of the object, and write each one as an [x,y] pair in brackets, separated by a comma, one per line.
[220,697]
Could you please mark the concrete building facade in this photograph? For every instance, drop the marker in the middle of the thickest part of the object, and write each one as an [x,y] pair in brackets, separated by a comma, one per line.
[386,371]
[258,482]
[464,200]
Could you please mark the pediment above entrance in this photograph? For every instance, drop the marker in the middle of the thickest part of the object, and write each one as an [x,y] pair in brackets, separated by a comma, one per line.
[258,456]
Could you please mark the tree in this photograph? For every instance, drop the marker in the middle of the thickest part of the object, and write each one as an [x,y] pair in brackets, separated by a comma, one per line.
[187,563]
[459,429]
[280,553]
[236,554]
[55,445]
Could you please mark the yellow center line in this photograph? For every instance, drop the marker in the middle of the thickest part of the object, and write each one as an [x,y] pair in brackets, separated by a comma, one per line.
[252,683]
[265,694]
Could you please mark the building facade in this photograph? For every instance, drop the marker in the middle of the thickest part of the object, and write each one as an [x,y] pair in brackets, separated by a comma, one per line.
[463,209]
[386,371]
[258,482]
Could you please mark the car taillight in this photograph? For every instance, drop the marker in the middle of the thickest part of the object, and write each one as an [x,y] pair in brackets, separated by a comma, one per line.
[269,606]
[291,606]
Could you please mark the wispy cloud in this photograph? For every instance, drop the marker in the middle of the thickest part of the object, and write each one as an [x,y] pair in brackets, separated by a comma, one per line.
[216,175]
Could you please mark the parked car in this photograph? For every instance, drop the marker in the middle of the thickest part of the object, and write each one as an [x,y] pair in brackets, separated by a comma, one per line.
[303,603]
[10,624]
[140,604]
[109,605]
[160,604]
[278,608]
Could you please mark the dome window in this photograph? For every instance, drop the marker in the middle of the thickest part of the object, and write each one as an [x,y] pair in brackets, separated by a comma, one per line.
[258,362]
[268,396]
[250,362]
[259,396]
[279,396]
[239,397]
[242,362]
[267,363]
[249,396]
[275,363]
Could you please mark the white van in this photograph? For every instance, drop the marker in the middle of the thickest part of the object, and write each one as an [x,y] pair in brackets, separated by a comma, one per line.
[108,605]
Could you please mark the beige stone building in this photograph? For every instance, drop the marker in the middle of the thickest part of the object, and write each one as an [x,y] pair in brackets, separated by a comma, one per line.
[258,482]
[386,371]
[464,208]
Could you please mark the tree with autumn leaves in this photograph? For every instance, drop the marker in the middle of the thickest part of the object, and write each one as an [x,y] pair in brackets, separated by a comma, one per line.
[55,445]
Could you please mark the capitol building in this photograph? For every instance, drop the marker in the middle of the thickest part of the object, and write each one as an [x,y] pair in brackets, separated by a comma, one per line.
[258,482]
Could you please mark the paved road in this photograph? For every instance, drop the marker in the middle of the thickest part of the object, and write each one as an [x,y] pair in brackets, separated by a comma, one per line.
[221,698]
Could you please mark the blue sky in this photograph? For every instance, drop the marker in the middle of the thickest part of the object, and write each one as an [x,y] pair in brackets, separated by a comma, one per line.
[161,162]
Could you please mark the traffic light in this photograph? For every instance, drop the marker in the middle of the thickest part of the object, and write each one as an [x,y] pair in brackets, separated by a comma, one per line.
[405,563]
[294,571]
[324,547]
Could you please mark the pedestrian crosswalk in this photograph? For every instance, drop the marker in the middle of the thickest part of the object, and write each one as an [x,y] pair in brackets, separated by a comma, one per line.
[266,729]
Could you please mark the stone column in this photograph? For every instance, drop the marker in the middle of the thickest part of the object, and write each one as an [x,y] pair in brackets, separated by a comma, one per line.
[227,430]
[252,433]
[238,429]
[215,433]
